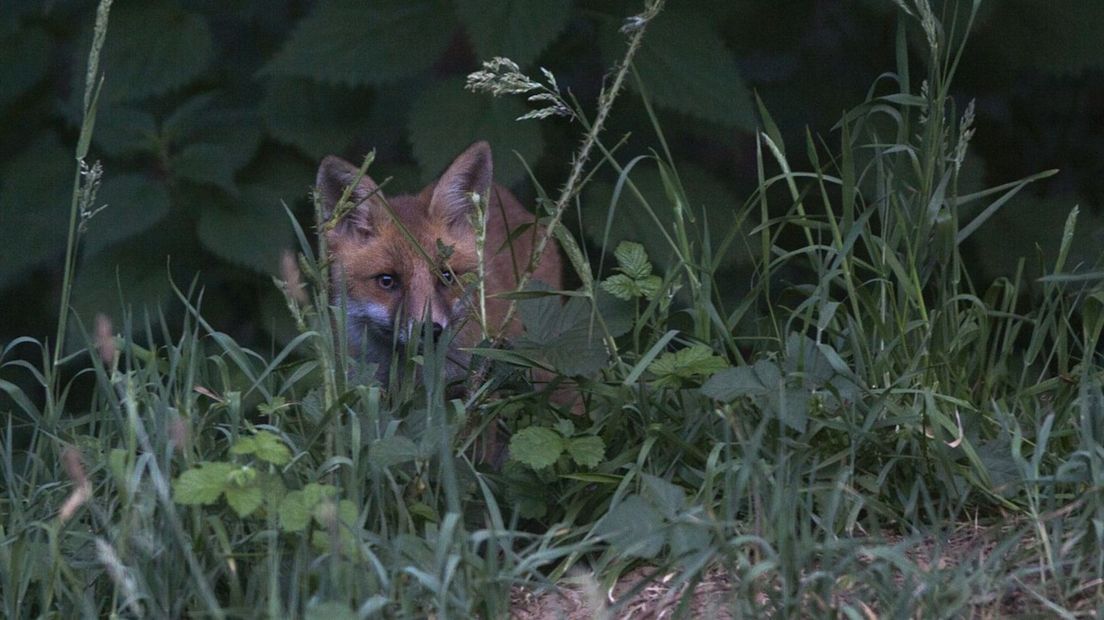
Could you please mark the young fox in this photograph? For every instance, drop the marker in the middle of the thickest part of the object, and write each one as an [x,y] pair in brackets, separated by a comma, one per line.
[389,282]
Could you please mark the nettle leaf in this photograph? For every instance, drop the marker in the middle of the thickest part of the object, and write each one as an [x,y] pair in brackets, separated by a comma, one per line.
[318,119]
[24,59]
[447,119]
[134,202]
[265,446]
[203,484]
[536,446]
[154,47]
[244,500]
[1064,42]
[122,130]
[674,369]
[732,383]
[686,66]
[297,507]
[516,29]
[295,511]
[252,231]
[34,189]
[587,451]
[562,334]
[712,204]
[357,43]
[634,527]
[393,451]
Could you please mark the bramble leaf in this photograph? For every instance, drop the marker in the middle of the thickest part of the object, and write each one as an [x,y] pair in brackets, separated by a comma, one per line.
[587,451]
[203,484]
[536,446]
[673,369]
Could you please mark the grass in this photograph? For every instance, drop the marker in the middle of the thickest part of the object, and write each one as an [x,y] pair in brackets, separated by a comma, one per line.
[867,432]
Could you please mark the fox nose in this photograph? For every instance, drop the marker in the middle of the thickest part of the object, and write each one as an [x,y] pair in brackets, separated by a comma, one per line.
[438,329]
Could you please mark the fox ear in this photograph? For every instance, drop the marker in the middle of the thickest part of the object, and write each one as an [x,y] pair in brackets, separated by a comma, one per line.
[469,173]
[336,174]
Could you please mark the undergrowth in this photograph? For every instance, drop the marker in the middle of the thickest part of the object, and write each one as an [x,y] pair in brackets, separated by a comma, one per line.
[867,431]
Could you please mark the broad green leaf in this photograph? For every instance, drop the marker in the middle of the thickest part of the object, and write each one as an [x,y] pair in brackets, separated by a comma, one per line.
[587,451]
[24,59]
[266,447]
[295,511]
[633,260]
[562,334]
[252,231]
[686,66]
[318,119]
[122,130]
[206,164]
[712,203]
[1062,40]
[633,527]
[392,451]
[621,286]
[34,206]
[357,43]
[667,497]
[134,202]
[516,29]
[203,484]
[330,611]
[447,119]
[152,47]
[673,369]
[244,499]
[732,383]
[536,446]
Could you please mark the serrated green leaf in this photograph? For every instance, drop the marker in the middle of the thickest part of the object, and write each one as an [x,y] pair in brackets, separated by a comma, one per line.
[206,164]
[34,206]
[252,231]
[357,43]
[732,383]
[203,484]
[667,497]
[563,335]
[633,527]
[633,260]
[536,446]
[673,369]
[266,446]
[318,119]
[153,47]
[295,511]
[563,426]
[330,611]
[1062,41]
[621,286]
[686,66]
[587,451]
[447,119]
[122,130]
[392,450]
[516,29]
[24,59]
[244,499]
[134,202]
[711,201]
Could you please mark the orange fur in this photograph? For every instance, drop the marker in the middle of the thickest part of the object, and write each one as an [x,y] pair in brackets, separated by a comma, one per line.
[388,280]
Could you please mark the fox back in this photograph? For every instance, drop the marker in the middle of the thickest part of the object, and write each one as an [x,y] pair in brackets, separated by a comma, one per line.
[401,261]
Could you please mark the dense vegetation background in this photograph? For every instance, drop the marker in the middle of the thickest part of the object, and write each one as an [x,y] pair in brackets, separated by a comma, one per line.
[213,113]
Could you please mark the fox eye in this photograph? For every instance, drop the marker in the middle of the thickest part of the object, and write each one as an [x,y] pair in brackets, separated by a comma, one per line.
[446,275]
[386,281]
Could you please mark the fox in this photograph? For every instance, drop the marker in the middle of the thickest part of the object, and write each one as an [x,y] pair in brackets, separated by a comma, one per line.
[388,266]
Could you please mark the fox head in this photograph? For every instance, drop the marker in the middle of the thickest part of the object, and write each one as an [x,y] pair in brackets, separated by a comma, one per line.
[398,262]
